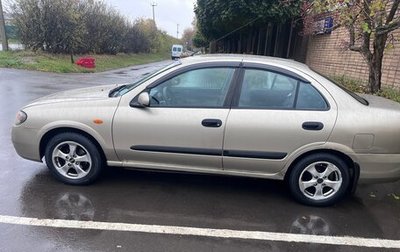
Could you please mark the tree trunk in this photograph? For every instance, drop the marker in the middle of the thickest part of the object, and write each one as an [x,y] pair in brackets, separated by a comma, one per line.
[374,78]
[240,43]
[259,41]
[375,64]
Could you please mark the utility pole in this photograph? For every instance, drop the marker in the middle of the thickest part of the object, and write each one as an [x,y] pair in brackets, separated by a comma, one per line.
[154,4]
[177,31]
[3,35]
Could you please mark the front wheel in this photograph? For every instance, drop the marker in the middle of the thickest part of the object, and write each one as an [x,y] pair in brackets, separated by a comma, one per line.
[73,158]
[319,180]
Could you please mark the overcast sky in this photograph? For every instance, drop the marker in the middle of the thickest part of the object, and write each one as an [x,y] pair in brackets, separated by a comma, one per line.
[168,13]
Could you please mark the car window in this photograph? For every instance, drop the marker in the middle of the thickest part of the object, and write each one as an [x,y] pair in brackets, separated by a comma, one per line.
[309,98]
[266,89]
[196,88]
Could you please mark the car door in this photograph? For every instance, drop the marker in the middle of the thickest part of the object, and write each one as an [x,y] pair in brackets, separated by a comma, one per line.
[183,127]
[275,113]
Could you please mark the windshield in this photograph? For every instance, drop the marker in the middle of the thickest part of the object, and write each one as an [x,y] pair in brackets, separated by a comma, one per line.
[351,93]
[121,90]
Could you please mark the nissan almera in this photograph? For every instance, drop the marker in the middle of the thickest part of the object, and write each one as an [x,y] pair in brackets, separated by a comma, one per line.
[223,114]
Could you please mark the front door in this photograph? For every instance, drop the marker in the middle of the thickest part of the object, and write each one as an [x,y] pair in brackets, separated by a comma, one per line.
[183,127]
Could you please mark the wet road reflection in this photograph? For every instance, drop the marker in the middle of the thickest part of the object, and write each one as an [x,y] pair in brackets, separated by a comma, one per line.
[193,200]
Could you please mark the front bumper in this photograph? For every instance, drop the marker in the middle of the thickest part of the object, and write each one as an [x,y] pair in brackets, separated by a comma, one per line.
[25,142]
[376,168]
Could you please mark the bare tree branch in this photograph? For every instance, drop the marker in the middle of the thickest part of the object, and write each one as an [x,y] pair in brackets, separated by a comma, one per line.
[393,11]
[366,51]
[384,29]
[355,48]
[336,26]
[352,36]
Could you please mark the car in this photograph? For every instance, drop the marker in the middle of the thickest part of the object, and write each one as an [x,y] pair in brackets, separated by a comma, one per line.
[176,51]
[239,115]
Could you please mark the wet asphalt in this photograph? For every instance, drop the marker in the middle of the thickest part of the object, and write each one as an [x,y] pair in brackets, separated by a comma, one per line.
[28,190]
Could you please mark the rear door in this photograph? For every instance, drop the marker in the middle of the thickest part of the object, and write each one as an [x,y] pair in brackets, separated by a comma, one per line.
[275,112]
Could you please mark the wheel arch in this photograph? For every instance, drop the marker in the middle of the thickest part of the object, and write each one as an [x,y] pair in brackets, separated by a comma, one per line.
[53,132]
[354,168]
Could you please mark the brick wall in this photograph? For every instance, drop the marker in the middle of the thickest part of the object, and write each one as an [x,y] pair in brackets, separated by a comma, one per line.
[326,55]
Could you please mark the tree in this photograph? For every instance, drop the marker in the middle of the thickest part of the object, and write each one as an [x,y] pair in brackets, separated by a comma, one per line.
[199,41]
[187,38]
[215,18]
[369,24]
[81,26]
[149,29]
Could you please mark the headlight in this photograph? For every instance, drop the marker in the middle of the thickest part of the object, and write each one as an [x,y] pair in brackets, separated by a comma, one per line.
[20,118]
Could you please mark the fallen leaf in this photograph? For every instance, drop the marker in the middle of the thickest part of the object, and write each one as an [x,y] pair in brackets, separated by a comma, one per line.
[395,196]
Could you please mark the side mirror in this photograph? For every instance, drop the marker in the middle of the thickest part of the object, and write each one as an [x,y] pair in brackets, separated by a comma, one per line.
[141,101]
[144,99]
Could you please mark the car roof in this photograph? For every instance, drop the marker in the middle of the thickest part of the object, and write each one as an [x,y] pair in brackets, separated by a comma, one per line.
[245,58]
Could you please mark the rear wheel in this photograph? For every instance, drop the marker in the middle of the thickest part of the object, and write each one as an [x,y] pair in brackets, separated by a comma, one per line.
[319,180]
[73,158]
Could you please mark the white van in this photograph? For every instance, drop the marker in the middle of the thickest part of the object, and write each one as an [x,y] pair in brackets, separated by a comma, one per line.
[176,51]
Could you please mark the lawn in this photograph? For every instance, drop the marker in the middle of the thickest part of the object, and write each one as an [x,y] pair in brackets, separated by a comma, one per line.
[62,63]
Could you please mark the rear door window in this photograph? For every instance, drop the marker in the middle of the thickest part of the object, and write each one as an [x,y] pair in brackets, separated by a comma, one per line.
[263,89]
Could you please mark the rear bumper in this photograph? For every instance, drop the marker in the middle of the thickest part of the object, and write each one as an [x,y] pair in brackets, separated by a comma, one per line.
[376,168]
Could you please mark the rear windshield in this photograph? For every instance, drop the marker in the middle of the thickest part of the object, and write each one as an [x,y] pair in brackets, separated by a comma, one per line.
[351,93]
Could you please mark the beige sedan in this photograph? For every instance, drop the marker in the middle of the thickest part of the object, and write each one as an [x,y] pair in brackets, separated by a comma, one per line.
[225,114]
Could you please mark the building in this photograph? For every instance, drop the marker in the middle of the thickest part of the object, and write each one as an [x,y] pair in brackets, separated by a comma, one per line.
[326,54]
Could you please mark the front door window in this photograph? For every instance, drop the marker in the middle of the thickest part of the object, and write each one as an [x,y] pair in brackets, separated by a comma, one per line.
[200,88]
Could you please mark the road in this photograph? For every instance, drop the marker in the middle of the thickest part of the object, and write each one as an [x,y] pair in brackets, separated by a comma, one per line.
[161,202]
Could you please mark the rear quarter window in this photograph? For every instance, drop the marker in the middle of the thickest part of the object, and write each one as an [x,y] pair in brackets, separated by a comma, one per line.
[309,98]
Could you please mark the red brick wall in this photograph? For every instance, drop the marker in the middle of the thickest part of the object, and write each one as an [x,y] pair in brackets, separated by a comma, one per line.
[326,55]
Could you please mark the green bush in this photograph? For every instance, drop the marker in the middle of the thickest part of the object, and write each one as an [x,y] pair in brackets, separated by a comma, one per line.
[359,86]
[80,27]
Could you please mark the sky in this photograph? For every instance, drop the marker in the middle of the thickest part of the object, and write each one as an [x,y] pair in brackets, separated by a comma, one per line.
[168,13]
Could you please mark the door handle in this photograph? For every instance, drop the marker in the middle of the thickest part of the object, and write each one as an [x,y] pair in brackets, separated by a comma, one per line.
[313,126]
[212,123]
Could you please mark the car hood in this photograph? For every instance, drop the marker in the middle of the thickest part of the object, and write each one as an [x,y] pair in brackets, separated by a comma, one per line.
[91,93]
[380,102]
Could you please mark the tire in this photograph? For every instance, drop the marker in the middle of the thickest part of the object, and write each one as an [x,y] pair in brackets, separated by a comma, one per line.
[73,159]
[319,180]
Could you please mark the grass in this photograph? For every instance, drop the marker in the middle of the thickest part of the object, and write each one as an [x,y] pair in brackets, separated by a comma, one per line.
[359,86]
[46,62]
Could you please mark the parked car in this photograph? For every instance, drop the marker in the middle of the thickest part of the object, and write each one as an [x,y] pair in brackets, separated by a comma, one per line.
[176,51]
[232,115]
